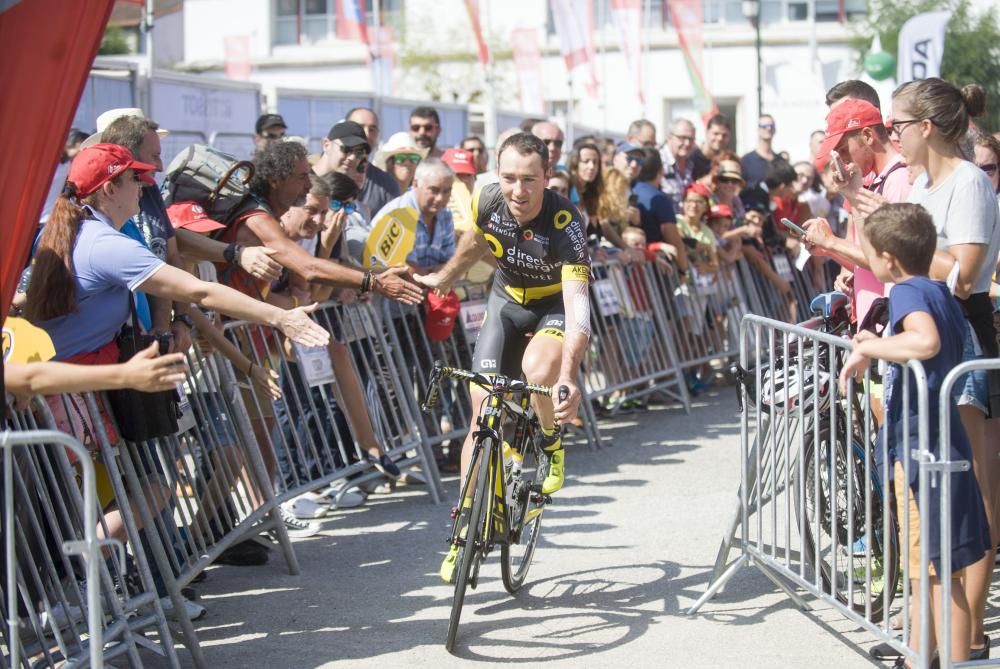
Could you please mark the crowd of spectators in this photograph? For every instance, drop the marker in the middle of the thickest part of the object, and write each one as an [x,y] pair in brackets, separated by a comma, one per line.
[108,247]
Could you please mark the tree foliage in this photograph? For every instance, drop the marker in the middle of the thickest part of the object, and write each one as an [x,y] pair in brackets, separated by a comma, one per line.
[114,42]
[971,45]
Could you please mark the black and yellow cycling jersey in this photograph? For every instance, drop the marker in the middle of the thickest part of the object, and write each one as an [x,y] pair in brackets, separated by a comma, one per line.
[534,259]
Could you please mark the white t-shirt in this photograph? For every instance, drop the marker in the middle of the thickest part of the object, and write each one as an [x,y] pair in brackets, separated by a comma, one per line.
[964,210]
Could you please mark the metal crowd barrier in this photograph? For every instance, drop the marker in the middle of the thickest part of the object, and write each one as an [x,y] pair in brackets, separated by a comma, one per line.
[48,595]
[816,511]
[308,431]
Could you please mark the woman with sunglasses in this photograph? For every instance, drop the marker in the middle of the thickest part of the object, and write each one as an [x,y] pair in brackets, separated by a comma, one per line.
[399,157]
[930,118]
[987,157]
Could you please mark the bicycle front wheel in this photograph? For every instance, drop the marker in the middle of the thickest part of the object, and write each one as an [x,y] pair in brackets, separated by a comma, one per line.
[526,521]
[471,553]
[832,519]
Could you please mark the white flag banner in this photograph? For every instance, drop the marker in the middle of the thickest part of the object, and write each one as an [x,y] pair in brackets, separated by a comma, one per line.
[921,46]
[575,25]
[628,18]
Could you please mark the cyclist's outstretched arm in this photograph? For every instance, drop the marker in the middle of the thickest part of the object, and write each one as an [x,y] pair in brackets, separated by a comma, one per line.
[576,302]
[471,248]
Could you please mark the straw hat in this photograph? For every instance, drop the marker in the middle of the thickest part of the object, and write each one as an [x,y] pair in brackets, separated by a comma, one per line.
[399,142]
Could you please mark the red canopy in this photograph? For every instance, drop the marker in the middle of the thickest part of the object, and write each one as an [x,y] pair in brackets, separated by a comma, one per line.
[47,48]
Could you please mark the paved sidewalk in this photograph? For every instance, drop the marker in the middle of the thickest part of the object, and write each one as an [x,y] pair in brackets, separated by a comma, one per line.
[626,548]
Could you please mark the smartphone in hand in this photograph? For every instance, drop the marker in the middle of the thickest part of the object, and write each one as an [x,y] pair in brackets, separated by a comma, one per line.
[838,165]
[793,227]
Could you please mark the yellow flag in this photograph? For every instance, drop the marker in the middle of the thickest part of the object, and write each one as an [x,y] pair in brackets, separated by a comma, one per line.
[391,239]
[23,342]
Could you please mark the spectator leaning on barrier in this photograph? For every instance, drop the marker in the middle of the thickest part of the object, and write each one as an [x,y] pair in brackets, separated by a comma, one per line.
[756,163]
[141,136]
[85,269]
[728,184]
[585,171]
[656,212]
[615,212]
[281,180]
[399,158]
[378,187]
[425,127]
[477,148]
[856,132]
[269,128]
[681,166]
[925,324]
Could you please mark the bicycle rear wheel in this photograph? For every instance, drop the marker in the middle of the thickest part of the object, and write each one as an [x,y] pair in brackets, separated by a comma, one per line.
[472,552]
[526,514]
[844,569]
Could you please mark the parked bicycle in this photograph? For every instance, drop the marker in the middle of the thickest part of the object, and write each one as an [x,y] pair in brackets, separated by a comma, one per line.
[501,501]
[849,533]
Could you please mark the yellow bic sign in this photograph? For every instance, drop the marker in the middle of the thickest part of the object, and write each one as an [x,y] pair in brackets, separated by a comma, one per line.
[23,342]
[391,239]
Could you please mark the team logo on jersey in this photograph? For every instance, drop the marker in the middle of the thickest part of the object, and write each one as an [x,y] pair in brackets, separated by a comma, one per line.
[496,248]
[562,219]
[528,235]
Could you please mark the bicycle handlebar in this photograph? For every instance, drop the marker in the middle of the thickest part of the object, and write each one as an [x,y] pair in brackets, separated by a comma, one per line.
[493,384]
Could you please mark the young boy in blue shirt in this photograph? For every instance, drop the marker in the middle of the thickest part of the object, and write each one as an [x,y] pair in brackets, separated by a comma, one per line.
[926,325]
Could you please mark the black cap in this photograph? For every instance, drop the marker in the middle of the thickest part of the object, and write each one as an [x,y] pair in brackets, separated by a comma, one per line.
[756,199]
[350,133]
[269,121]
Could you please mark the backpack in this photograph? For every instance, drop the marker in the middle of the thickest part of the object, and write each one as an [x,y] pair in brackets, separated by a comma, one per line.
[215,180]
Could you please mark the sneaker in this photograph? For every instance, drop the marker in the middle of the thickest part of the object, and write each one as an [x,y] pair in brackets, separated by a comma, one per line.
[304,508]
[194,611]
[384,464]
[296,528]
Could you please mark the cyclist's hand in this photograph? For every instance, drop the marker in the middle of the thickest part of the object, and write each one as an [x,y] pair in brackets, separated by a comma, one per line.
[854,368]
[566,411]
[433,281]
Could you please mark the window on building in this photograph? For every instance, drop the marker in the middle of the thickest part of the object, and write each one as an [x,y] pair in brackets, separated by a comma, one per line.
[303,22]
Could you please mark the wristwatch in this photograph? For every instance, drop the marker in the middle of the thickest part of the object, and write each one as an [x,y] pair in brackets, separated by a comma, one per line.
[185,319]
[232,253]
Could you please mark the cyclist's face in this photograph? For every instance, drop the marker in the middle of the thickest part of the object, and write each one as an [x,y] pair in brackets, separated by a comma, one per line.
[522,183]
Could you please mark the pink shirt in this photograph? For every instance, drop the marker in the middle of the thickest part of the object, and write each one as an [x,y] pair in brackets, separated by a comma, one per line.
[894,185]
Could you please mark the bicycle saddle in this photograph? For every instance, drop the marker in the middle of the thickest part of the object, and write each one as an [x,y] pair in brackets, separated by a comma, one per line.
[827,304]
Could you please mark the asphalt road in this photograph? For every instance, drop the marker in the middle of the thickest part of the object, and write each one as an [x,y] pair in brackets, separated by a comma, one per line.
[626,549]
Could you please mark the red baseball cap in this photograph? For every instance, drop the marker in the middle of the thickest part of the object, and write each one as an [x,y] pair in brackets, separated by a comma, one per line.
[699,189]
[848,116]
[460,161]
[440,314]
[191,216]
[98,164]
[720,211]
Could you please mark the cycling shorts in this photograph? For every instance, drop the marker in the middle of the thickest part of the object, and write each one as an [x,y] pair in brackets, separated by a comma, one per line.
[508,327]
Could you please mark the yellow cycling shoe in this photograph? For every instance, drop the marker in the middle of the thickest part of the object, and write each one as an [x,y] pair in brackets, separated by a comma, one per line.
[447,571]
[554,481]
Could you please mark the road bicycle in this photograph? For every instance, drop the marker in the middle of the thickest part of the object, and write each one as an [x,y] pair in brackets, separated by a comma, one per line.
[502,501]
[849,534]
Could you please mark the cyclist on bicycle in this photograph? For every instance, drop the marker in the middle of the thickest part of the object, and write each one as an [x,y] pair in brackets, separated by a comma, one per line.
[538,314]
